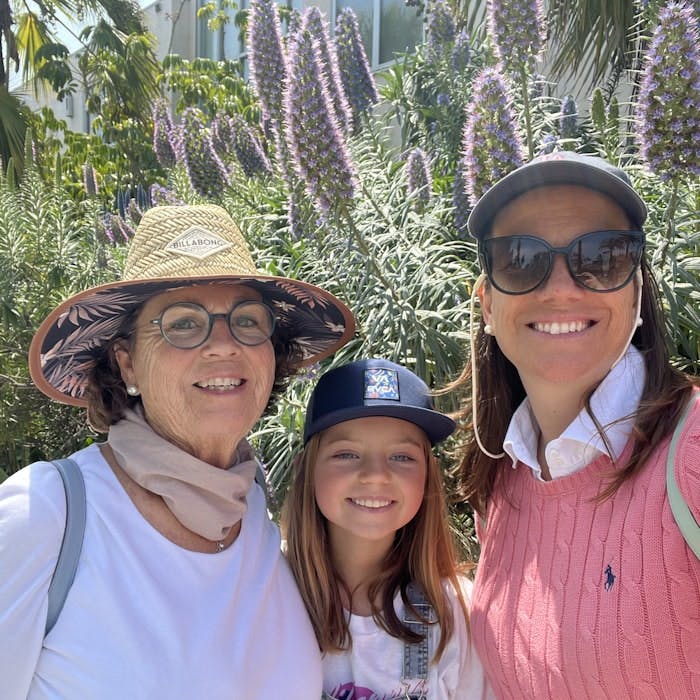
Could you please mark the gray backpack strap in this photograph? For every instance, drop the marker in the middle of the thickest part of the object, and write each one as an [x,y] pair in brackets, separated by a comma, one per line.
[76,510]
[684,518]
[261,481]
[416,656]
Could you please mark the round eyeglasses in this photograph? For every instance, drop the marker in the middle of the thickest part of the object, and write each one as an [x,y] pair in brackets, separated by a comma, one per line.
[186,326]
[601,261]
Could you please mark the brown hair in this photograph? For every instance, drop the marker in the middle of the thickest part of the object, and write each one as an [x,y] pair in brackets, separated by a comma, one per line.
[423,552]
[500,392]
[106,392]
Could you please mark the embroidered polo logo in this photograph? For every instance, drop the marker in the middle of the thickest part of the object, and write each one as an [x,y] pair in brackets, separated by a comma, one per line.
[609,577]
[382,384]
[197,242]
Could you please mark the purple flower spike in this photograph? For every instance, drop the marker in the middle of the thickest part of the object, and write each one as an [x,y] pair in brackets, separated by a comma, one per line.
[316,145]
[204,168]
[461,52]
[293,25]
[460,201]
[669,97]
[568,119]
[549,144]
[420,181]
[441,30]
[162,196]
[124,227]
[248,148]
[134,212]
[492,146]
[355,73]
[90,179]
[106,227]
[163,134]
[313,21]
[222,136]
[268,73]
[294,218]
[517,29]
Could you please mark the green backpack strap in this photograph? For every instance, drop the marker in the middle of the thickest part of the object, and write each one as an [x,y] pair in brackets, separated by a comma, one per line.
[684,518]
[76,511]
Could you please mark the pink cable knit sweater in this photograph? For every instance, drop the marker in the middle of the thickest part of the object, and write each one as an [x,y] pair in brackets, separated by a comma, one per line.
[579,599]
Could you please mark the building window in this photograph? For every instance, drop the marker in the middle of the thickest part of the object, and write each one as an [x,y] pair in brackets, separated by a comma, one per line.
[207,41]
[388,27]
[226,43]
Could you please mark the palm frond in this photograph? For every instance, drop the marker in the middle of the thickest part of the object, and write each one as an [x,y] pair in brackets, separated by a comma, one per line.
[593,38]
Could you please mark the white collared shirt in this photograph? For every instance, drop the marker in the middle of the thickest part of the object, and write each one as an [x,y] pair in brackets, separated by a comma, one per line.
[617,396]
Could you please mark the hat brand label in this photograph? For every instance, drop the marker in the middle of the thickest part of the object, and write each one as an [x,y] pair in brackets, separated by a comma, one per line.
[197,242]
[382,383]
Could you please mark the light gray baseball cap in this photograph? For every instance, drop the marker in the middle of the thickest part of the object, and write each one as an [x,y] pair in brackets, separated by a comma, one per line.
[558,168]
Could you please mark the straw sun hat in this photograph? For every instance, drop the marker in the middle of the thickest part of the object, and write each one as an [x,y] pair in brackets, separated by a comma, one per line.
[173,247]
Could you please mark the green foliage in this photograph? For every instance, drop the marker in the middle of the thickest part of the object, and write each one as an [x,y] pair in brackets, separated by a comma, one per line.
[116,67]
[597,38]
[212,86]
[426,100]
[13,118]
[122,164]
[48,250]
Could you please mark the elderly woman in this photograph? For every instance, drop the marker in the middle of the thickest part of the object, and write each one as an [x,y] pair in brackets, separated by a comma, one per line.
[180,589]
[586,587]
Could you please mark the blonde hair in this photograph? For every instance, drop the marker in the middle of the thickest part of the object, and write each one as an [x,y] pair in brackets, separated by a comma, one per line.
[424,552]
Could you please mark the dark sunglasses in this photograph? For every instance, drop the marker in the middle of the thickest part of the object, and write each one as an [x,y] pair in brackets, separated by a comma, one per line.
[602,261]
[188,326]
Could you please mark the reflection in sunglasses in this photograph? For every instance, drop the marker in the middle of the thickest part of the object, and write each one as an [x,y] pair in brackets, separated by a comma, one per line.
[602,261]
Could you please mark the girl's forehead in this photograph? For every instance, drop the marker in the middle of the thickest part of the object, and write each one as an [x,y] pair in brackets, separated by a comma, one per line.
[374,430]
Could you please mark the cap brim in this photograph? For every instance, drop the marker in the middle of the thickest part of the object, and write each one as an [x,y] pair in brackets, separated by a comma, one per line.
[553,172]
[436,426]
[63,350]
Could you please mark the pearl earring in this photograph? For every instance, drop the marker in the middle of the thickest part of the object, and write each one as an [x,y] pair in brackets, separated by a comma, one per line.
[132,390]
[488,329]
[639,322]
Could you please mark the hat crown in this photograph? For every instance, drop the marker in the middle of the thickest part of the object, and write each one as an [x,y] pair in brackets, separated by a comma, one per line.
[187,241]
[374,387]
[557,168]
[584,159]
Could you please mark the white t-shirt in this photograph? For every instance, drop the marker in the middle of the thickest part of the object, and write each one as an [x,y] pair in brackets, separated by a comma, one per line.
[371,669]
[144,618]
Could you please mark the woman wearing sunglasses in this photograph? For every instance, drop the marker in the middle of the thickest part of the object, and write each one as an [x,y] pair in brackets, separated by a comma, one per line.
[586,587]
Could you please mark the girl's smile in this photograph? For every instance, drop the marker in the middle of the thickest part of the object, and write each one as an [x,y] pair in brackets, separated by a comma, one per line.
[370,476]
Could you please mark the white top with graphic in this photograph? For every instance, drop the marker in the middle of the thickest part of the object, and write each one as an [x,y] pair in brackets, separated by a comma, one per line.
[371,670]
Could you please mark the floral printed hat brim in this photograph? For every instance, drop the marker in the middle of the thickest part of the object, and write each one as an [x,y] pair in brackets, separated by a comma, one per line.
[63,351]
[174,247]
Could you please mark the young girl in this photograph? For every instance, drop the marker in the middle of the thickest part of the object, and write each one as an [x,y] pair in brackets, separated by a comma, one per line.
[369,543]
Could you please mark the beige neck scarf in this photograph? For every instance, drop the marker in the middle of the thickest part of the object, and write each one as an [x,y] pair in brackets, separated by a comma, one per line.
[204,498]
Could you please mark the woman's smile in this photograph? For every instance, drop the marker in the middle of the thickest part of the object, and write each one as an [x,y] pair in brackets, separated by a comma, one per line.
[560,327]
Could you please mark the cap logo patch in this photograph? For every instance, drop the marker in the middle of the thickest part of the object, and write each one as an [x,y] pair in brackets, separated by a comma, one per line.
[197,242]
[382,384]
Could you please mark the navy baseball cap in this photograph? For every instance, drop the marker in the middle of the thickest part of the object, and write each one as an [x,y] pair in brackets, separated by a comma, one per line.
[374,387]
[558,168]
